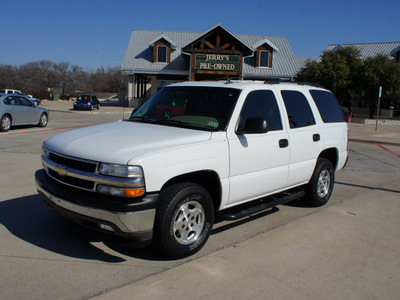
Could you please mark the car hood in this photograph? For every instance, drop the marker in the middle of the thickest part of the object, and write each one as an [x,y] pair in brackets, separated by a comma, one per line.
[119,142]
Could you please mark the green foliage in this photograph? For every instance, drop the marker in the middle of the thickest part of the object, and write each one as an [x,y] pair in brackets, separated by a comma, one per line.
[346,75]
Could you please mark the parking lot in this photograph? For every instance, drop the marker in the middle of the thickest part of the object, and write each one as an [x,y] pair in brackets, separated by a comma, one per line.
[349,248]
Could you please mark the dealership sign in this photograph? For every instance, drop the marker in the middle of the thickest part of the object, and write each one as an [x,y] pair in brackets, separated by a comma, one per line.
[217,62]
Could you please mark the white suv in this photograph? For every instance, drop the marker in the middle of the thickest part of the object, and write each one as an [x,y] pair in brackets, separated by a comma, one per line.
[194,152]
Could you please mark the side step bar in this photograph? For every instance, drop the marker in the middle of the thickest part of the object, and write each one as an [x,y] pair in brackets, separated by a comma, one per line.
[248,209]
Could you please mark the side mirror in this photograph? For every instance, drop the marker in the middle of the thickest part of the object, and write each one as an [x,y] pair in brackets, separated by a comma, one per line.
[254,125]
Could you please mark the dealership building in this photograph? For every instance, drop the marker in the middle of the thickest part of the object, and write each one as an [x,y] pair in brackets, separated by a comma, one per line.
[155,59]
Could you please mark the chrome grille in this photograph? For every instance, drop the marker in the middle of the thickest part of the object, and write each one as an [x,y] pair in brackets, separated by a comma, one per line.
[73,163]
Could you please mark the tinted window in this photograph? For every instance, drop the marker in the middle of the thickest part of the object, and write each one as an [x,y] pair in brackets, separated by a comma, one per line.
[264,58]
[328,106]
[162,54]
[298,109]
[261,104]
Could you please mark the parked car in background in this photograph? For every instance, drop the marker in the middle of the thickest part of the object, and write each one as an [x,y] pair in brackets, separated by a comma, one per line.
[18,92]
[113,99]
[20,110]
[87,101]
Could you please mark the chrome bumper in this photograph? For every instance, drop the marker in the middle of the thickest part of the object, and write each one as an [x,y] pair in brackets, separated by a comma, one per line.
[126,222]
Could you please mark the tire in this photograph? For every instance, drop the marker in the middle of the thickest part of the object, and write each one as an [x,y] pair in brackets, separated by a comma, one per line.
[166,114]
[320,187]
[91,107]
[5,123]
[184,220]
[43,120]
[98,106]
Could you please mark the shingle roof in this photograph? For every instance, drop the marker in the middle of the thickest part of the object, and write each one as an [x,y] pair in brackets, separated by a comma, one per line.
[139,57]
[369,49]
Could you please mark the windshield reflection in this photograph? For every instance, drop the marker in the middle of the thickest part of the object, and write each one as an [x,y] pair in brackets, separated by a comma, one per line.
[203,108]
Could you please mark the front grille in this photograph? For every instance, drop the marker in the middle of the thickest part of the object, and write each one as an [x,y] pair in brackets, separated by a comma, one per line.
[76,182]
[73,163]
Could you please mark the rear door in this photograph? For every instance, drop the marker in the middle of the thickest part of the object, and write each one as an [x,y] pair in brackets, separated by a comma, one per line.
[304,135]
[258,162]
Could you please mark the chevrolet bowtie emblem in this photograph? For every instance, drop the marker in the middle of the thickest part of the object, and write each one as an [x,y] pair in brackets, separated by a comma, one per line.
[61,170]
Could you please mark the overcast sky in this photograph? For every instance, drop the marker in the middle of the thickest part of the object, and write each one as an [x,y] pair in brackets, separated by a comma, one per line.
[95,33]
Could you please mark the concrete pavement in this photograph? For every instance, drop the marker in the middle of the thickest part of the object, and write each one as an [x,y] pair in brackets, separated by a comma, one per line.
[350,250]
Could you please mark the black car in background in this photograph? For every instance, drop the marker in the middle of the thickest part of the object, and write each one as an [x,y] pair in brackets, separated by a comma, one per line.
[87,101]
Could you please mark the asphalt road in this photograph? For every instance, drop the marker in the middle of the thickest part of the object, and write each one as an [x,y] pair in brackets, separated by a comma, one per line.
[41,259]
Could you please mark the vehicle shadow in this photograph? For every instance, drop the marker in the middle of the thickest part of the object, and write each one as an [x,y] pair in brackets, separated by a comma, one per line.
[29,219]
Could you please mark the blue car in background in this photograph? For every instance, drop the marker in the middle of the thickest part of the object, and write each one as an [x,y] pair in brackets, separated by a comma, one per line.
[87,101]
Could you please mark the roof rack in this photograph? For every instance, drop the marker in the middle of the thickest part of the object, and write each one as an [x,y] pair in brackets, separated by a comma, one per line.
[280,80]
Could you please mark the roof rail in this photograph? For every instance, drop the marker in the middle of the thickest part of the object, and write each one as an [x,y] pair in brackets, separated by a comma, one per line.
[278,81]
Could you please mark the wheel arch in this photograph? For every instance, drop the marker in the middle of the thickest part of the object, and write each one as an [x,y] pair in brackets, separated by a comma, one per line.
[208,179]
[331,154]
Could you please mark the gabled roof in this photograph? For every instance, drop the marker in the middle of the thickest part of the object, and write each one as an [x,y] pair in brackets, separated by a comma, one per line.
[248,49]
[160,37]
[369,49]
[394,51]
[265,41]
[139,56]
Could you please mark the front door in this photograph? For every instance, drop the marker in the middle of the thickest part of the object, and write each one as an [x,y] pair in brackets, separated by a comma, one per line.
[258,162]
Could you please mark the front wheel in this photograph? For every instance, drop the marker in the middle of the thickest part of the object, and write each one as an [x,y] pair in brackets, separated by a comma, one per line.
[184,220]
[320,187]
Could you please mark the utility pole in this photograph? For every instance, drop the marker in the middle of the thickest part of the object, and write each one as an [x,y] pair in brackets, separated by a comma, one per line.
[377,112]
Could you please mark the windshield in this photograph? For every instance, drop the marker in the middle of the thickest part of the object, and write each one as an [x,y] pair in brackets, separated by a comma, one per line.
[83,98]
[204,108]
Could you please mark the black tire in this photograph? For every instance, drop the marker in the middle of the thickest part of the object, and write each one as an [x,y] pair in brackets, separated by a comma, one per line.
[320,187]
[166,114]
[184,220]
[5,123]
[43,120]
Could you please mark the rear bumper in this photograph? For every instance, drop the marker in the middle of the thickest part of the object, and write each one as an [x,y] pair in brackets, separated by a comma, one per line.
[130,220]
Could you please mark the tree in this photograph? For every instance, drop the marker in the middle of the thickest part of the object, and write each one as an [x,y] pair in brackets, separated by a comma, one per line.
[381,71]
[338,71]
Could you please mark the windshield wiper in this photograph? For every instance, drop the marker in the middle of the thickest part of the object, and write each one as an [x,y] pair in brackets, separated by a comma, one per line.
[140,119]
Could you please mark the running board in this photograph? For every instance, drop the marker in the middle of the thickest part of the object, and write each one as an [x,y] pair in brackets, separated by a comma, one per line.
[236,213]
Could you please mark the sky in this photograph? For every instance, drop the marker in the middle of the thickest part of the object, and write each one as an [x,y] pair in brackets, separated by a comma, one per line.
[95,33]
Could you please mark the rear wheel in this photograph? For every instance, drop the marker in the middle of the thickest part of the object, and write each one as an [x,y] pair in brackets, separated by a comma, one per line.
[320,187]
[184,220]
[5,123]
[43,120]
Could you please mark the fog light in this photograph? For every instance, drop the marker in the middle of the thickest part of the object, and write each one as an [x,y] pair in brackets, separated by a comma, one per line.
[121,192]
[106,227]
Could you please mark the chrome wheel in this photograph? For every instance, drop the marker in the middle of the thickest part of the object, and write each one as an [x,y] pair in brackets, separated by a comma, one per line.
[189,221]
[5,123]
[43,120]
[324,183]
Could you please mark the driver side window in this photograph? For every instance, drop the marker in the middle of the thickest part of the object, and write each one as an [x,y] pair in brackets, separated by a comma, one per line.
[261,104]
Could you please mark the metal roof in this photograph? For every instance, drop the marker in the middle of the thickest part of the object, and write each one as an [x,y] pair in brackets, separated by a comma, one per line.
[139,56]
[369,49]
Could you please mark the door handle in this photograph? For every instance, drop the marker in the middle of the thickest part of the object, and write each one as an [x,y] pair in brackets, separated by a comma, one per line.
[316,137]
[283,143]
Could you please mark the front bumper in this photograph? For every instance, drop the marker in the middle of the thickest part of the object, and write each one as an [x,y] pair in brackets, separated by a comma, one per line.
[88,209]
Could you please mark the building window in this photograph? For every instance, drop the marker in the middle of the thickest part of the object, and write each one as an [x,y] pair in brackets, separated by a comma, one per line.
[162,54]
[264,58]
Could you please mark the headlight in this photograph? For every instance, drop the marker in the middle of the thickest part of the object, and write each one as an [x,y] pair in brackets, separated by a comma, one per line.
[120,170]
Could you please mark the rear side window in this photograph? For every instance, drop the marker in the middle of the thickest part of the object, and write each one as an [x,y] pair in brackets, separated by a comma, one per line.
[298,109]
[328,106]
